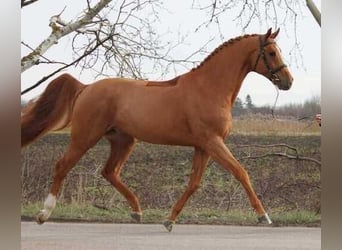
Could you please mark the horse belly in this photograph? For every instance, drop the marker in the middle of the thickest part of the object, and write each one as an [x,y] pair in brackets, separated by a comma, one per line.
[155,126]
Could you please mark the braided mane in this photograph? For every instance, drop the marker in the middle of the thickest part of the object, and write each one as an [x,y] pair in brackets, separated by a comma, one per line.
[223,45]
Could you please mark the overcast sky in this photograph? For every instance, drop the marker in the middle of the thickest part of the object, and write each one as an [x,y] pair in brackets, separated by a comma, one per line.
[307,75]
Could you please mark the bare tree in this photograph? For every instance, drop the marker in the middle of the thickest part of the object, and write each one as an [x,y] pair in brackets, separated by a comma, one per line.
[244,12]
[271,13]
[116,37]
[111,38]
[60,29]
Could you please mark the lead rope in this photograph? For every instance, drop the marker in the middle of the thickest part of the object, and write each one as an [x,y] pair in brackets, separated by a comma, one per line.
[275,103]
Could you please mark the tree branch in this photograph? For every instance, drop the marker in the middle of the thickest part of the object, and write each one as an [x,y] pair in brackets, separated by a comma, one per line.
[291,157]
[269,146]
[296,156]
[66,66]
[58,32]
[27,2]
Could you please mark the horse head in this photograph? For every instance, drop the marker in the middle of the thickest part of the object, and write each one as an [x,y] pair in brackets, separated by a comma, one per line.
[269,63]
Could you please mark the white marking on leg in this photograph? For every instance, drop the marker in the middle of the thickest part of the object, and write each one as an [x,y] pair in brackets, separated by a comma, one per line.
[49,205]
[268,219]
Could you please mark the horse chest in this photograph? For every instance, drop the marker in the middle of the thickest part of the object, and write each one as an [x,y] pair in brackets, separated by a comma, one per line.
[219,123]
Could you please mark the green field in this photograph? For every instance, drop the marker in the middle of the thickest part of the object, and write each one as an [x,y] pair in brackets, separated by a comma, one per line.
[284,168]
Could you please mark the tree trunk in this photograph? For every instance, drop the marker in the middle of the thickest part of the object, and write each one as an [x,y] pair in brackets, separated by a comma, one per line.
[314,11]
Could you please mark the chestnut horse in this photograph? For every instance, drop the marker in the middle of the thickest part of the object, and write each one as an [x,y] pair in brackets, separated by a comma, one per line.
[193,109]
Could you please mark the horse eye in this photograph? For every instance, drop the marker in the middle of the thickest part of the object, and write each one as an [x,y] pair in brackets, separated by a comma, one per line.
[272,54]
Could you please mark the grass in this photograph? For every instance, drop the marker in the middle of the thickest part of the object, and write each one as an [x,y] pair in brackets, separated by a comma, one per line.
[88,213]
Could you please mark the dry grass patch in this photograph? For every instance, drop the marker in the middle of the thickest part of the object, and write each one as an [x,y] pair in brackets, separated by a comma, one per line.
[255,124]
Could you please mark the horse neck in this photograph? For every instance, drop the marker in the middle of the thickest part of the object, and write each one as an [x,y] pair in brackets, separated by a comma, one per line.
[223,73]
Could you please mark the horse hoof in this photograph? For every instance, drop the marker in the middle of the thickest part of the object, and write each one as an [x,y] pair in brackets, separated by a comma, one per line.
[41,217]
[264,219]
[168,225]
[136,216]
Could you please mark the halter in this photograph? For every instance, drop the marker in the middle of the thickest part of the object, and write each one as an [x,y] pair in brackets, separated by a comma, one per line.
[272,72]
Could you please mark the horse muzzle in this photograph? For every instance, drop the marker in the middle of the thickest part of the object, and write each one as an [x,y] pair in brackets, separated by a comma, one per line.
[282,84]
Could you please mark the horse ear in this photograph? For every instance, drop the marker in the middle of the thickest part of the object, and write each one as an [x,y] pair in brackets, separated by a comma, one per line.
[275,34]
[268,34]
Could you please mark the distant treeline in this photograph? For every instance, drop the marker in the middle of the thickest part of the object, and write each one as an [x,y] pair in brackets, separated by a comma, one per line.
[309,108]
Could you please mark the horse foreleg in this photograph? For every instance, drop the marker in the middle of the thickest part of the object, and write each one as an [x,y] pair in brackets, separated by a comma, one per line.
[121,146]
[221,154]
[199,164]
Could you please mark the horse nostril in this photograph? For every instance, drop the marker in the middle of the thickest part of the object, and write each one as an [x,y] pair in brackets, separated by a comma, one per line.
[290,80]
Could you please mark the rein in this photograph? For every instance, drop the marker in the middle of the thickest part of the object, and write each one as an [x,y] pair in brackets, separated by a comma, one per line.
[272,72]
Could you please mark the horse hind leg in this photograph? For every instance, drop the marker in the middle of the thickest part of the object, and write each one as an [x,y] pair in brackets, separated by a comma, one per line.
[121,146]
[63,166]
[81,140]
[199,164]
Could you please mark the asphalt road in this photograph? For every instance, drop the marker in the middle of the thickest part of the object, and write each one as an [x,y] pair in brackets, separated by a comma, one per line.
[92,236]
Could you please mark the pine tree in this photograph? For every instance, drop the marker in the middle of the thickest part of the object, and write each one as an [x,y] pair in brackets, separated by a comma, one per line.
[248,102]
[238,107]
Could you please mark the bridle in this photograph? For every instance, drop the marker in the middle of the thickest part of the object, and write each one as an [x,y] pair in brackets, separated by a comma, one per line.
[271,72]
